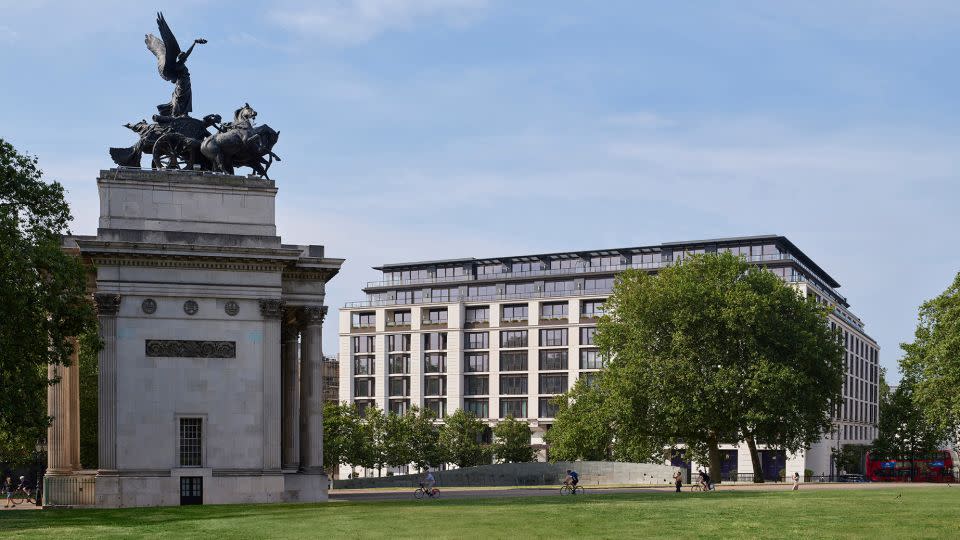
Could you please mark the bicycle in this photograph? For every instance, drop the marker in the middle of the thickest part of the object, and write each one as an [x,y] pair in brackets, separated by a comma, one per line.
[567,489]
[697,488]
[20,495]
[421,491]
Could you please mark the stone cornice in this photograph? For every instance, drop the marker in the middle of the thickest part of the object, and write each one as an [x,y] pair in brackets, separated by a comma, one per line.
[237,264]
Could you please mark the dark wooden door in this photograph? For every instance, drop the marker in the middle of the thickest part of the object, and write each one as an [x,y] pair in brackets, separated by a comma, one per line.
[191,490]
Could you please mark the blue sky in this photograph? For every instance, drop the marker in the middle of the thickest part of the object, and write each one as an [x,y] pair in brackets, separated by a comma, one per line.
[416,129]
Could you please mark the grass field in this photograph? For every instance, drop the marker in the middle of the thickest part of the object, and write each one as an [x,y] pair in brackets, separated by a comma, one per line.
[875,513]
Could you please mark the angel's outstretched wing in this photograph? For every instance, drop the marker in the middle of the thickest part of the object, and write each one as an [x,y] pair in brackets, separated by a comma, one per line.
[165,48]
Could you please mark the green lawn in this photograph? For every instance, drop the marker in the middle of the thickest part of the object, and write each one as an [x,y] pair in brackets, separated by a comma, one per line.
[873,513]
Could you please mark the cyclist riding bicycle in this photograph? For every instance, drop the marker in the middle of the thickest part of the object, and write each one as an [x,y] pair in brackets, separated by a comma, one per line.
[429,482]
[572,479]
[704,480]
[25,487]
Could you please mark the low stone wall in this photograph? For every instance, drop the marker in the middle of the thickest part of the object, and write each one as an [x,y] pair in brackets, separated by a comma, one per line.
[592,473]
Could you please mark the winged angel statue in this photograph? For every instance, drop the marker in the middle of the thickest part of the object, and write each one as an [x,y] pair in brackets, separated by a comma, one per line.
[172,65]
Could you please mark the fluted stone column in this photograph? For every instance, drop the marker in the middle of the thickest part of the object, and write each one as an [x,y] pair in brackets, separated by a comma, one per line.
[108,305]
[311,391]
[291,395]
[58,434]
[272,311]
[74,414]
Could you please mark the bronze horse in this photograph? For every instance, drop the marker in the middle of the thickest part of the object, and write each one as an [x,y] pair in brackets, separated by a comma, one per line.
[239,144]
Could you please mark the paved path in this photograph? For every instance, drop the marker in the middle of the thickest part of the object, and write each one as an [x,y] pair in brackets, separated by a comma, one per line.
[381,494]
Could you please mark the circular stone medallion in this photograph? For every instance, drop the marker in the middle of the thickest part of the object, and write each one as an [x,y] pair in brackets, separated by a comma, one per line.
[190,307]
[149,306]
[231,307]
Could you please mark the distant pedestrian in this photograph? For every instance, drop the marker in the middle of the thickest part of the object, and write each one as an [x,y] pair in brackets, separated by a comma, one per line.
[8,487]
[678,480]
[796,481]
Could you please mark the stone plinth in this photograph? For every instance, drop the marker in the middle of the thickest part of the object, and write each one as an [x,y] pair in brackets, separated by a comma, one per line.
[193,282]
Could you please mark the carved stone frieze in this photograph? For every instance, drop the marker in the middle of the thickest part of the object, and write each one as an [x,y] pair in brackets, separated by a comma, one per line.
[108,304]
[181,348]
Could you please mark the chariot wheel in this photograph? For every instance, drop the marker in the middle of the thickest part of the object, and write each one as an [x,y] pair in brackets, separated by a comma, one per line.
[165,152]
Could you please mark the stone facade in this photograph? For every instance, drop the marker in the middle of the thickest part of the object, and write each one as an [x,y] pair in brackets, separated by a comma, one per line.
[195,293]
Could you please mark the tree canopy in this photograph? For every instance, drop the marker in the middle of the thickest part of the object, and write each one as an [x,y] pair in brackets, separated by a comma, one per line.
[709,350]
[513,441]
[461,438]
[43,300]
[932,361]
[903,431]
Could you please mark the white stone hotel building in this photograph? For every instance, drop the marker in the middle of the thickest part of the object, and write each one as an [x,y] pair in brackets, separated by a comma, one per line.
[501,336]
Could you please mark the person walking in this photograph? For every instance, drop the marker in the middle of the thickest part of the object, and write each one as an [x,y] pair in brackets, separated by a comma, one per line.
[678,480]
[8,487]
[796,481]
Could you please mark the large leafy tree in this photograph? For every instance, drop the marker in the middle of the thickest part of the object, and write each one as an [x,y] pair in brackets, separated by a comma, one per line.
[43,301]
[513,441]
[713,350]
[397,435]
[461,438]
[932,361]
[424,439]
[903,430]
[583,427]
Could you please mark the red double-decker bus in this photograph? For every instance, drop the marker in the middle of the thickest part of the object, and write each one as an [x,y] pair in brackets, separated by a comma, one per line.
[933,467]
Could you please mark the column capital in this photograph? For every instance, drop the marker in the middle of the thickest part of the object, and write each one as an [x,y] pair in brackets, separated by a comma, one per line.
[271,308]
[107,304]
[313,315]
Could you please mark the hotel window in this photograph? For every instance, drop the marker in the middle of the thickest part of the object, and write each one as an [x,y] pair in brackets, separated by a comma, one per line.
[563,264]
[476,385]
[586,335]
[476,340]
[555,310]
[363,387]
[449,271]
[399,318]
[399,406]
[482,292]
[590,359]
[513,361]
[607,260]
[591,308]
[599,284]
[524,266]
[436,316]
[589,377]
[364,320]
[553,383]
[362,405]
[514,312]
[435,341]
[445,295]
[435,363]
[555,337]
[519,289]
[553,360]
[513,338]
[548,409]
[363,365]
[558,287]
[398,342]
[399,386]
[512,385]
[514,407]
[438,406]
[191,439]
[399,364]
[363,344]
[645,259]
[477,407]
[404,297]
[478,314]
[476,362]
[435,385]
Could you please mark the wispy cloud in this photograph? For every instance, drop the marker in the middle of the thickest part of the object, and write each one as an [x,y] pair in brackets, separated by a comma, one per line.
[350,22]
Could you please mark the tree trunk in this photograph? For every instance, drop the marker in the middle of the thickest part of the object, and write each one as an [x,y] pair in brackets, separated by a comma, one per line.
[713,451]
[755,459]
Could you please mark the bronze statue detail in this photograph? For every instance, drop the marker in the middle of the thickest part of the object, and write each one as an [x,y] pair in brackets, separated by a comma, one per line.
[172,65]
[176,139]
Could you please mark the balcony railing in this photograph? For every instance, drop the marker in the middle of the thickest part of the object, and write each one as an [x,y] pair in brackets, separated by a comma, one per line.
[483,298]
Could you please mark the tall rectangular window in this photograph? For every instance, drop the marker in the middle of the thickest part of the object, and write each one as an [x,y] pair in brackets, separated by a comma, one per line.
[513,384]
[598,284]
[514,407]
[398,318]
[435,363]
[477,407]
[513,338]
[553,383]
[399,386]
[445,295]
[438,406]
[553,337]
[363,365]
[399,406]
[435,341]
[364,319]
[513,361]
[398,342]
[548,409]
[591,308]
[478,314]
[363,387]
[553,359]
[586,335]
[554,310]
[476,362]
[482,292]
[476,340]
[435,385]
[191,440]
[476,385]
[558,288]
[363,344]
[515,312]
[590,359]
[399,364]
[435,316]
